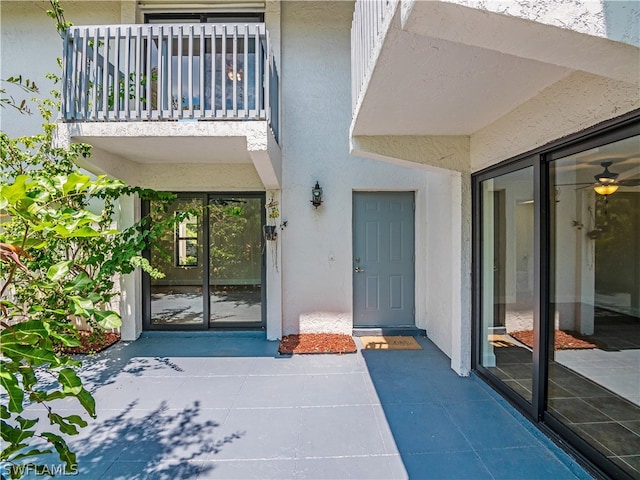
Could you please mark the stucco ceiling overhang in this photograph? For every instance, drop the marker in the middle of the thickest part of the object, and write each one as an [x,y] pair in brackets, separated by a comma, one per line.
[446,69]
[167,149]
[138,145]
[193,6]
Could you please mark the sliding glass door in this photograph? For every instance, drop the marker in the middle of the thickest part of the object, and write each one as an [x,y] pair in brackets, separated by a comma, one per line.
[557,290]
[507,279]
[235,260]
[594,311]
[213,264]
[177,298]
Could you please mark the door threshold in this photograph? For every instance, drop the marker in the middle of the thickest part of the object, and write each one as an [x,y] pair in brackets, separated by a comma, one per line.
[397,331]
[205,333]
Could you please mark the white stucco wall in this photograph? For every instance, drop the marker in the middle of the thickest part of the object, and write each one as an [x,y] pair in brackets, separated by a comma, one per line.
[317,244]
[616,20]
[571,105]
[444,232]
[29,46]
[128,212]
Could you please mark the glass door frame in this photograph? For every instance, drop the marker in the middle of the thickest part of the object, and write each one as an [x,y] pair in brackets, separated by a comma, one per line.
[519,163]
[594,456]
[206,197]
[611,131]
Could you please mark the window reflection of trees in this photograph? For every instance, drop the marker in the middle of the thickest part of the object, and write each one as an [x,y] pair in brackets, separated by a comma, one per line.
[235,241]
[166,255]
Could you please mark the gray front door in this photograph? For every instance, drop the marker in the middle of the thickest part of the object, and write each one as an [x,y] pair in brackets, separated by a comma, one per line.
[383,259]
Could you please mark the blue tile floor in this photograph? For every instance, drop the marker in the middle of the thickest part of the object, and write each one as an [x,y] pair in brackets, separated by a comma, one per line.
[209,406]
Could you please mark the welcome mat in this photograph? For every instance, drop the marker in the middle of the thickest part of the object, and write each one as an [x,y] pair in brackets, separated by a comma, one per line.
[384,342]
[317,343]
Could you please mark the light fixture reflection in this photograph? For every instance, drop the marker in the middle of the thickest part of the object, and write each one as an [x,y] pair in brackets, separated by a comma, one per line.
[606,177]
[605,189]
[231,75]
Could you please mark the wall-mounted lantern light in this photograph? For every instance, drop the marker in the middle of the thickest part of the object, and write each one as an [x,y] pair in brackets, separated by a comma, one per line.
[316,195]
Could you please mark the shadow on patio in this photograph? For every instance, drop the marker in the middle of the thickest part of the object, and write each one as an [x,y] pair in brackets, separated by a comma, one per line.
[450,427]
[205,405]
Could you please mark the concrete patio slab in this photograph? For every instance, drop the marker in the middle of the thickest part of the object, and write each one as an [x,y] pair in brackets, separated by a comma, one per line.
[208,406]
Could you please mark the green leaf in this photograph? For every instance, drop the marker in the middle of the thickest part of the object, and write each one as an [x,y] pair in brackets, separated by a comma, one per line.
[12,338]
[34,356]
[76,420]
[35,243]
[61,230]
[94,297]
[108,319]
[16,395]
[76,181]
[81,306]
[26,423]
[66,455]
[70,381]
[88,402]
[66,339]
[16,448]
[11,193]
[31,453]
[55,395]
[59,270]
[35,327]
[84,232]
[24,206]
[64,426]
[29,378]
[79,283]
[27,333]
[14,435]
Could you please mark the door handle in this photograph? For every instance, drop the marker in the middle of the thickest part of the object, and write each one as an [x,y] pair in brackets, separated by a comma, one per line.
[359,270]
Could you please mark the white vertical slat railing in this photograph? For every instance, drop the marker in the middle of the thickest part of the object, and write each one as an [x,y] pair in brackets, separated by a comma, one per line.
[169,72]
[368,19]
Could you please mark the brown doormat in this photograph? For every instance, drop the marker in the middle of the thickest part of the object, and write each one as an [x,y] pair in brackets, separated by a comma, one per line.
[563,339]
[389,343]
[317,343]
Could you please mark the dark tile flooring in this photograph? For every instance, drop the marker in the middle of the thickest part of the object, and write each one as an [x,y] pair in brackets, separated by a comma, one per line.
[607,421]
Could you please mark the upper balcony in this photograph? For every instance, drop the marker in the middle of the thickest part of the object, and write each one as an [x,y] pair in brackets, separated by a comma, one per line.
[218,82]
[460,67]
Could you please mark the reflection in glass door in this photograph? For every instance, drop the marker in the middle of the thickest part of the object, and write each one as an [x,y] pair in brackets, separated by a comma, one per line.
[213,263]
[177,299]
[235,260]
[594,320]
[579,298]
[507,279]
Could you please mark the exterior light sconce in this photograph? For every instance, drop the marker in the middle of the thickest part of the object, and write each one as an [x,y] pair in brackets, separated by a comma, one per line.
[316,195]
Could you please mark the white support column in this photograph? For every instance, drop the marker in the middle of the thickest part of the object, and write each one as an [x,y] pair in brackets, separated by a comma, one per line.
[488,356]
[128,212]
[461,273]
[273,251]
[586,278]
